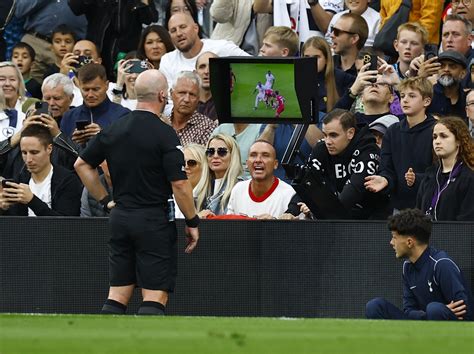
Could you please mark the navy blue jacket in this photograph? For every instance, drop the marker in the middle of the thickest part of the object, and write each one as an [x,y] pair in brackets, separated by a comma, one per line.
[434,277]
[343,82]
[104,114]
[404,147]
[441,104]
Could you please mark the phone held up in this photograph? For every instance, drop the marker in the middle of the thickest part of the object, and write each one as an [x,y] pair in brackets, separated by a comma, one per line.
[372,59]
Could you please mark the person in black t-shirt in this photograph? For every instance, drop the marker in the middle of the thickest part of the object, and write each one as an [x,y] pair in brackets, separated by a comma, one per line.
[146,167]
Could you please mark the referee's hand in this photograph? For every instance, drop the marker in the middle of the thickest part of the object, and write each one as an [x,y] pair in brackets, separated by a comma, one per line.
[192,235]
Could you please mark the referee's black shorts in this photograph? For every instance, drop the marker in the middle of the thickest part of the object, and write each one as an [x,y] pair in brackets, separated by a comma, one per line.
[142,249]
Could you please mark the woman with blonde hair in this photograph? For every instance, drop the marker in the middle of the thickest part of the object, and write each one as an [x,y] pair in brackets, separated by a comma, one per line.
[328,75]
[222,173]
[447,189]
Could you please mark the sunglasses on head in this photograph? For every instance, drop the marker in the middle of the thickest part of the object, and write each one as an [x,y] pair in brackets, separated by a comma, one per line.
[337,32]
[221,151]
[191,163]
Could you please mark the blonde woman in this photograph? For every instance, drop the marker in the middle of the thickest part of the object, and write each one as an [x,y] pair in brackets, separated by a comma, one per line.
[223,171]
[194,162]
[327,77]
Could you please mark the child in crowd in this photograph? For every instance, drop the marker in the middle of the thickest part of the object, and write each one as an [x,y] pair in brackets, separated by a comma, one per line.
[407,146]
[62,43]
[279,41]
[23,55]
[410,42]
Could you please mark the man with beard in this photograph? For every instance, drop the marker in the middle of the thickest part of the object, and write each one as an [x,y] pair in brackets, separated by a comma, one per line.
[448,93]
[348,37]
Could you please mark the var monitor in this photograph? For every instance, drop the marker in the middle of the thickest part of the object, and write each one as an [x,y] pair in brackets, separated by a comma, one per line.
[264,90]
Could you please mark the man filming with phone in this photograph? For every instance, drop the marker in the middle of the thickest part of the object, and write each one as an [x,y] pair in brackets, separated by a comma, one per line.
[97,111]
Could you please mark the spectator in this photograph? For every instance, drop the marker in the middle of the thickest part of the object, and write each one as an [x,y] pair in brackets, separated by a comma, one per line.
[41,18]
[206,103]
[57,91]
[470,111]
[155,41]
[232,19]
[97,109]
[222,172]
[375,91]
[448,93]
[184,34]
[371,17]
[426,12]
[279,41]
[190,125]
[115,26]
[90,207]
[380,126]
[406,149]
[463,8]
[89,52]
[445,192]
[348,37]
[433,285]
[24,57]
[194,162]
[11,83]
[411,39]
[42,189]
[188,7]
[456,35]
[123,92]
[264,196]
[328,75]
[63,40]
[345,158]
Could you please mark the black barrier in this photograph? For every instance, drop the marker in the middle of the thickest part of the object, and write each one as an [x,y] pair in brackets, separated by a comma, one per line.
[240,268]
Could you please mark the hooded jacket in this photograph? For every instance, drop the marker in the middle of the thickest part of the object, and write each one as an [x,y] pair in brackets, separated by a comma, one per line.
[455,201]
[345,174]
[403,148]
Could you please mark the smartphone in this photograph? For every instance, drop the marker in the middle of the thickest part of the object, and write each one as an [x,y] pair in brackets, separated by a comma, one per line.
[429,55]
[138,66]
[41,107]
[4,182]
[82,60]
[81,124]
[372,59]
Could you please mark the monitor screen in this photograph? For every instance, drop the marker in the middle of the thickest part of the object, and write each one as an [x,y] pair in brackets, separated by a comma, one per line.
[264,90]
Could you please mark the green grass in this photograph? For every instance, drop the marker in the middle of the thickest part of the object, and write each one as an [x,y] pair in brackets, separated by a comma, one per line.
[247,77]
[85,334]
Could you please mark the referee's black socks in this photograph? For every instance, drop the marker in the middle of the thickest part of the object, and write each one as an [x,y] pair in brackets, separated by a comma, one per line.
[112,307]
[151,308]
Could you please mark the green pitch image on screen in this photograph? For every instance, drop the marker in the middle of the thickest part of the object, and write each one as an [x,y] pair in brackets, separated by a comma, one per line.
[247,100]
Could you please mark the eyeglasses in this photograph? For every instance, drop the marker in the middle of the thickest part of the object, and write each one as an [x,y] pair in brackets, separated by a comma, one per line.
[337,32]
[191,163]
[469,103]
[221,151]
[455,3]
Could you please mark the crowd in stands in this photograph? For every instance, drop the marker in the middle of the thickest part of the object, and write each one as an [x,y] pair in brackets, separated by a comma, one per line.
[395,129]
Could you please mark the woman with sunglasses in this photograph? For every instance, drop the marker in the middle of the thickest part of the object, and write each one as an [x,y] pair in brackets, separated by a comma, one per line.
[328,75]
[447,189]
[155,42]
[194,160]
[222,173]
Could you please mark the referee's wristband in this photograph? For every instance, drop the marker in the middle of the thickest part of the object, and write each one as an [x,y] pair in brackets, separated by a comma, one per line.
[194,222]
[105,202]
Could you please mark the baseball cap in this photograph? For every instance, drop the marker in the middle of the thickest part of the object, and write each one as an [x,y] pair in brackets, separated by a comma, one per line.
[453,56]
[381,124]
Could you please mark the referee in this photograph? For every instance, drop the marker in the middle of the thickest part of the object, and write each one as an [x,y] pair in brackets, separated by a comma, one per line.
[146,167]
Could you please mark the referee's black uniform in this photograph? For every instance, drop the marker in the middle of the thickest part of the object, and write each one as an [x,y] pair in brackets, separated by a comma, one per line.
[143,158]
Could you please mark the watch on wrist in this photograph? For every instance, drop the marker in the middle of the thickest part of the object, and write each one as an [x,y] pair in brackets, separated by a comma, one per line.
[105,202]
[193,222]
[312,3]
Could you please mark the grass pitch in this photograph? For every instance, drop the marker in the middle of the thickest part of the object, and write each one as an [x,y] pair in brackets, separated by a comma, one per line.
[67,334]
[247,77]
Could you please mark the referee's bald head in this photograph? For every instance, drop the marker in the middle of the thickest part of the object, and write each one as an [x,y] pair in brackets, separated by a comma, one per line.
[148,84]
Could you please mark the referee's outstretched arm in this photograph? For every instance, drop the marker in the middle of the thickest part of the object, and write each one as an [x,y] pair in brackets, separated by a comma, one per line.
[183,194]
